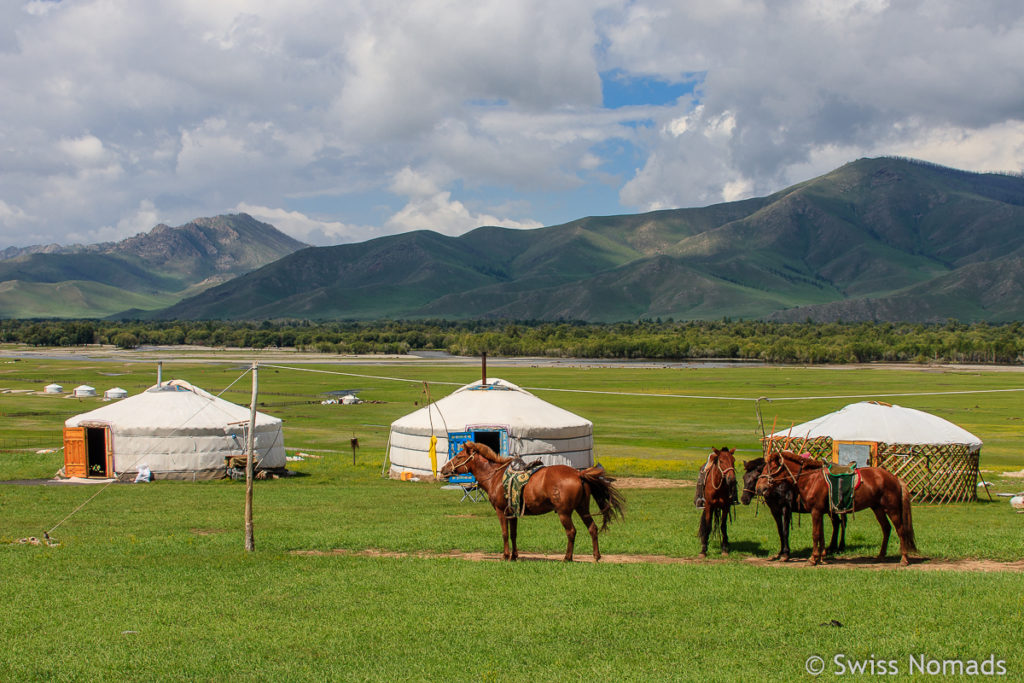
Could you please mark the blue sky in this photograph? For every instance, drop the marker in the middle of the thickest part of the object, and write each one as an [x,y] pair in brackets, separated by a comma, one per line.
[339,121]
[619,88]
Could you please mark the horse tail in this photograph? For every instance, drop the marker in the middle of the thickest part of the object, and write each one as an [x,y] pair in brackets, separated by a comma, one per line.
[716,522]
[908,522]
[609,498]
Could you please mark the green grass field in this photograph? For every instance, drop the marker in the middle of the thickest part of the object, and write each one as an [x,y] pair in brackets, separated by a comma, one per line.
[150,582]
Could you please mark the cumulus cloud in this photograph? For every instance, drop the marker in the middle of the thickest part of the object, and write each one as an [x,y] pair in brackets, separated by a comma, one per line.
[305,228]
[431,208]
[789,84]
[400,116]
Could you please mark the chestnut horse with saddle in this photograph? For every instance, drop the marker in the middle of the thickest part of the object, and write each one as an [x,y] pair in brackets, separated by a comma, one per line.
[878,489]
[558,488]
[716,489]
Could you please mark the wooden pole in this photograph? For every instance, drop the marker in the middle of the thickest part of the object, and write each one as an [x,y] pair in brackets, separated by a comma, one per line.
[250,541]
[483,367]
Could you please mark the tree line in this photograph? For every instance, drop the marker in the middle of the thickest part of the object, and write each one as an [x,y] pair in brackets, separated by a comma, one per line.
[806,342]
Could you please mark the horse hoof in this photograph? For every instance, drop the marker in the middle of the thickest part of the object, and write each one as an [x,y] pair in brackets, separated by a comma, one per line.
[904,562]
[813,562]
[702,556]
[725,553]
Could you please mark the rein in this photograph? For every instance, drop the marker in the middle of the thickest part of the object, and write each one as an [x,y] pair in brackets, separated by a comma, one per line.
[469,458]
[722,481]
[783,467]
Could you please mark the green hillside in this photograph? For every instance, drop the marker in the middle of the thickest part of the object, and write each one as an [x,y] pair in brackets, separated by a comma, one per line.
[143,273]
[887,239]
[877,238]
[20,299]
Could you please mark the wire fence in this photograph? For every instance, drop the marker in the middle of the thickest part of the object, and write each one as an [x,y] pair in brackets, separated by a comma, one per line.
[37,443]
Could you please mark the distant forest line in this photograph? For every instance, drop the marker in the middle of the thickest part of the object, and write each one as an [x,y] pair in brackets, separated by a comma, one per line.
[806,342]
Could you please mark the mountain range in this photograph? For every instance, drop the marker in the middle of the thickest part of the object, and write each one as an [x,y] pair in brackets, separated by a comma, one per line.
[146,272]
[885,238]
[882,238]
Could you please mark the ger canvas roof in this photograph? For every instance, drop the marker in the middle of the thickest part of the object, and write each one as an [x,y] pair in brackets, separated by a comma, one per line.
[176,407]
[871,421]
[497,403]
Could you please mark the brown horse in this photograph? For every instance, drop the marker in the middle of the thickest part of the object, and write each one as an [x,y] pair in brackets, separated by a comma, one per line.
[555,487]
[719,475]
[879,490]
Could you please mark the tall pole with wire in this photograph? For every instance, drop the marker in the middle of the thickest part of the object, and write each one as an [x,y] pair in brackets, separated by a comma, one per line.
[250,541]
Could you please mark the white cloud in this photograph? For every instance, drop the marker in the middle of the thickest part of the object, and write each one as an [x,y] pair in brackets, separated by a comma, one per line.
[83,151]
[40,7]
[306,229]
[431,208]
[419,115]
[12,218]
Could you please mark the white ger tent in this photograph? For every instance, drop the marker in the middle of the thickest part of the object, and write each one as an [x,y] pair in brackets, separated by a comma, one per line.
[510,420]
[175,429]
[937,459]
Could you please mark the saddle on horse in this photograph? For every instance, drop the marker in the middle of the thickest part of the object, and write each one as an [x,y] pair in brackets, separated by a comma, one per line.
[842,482]
[517,474]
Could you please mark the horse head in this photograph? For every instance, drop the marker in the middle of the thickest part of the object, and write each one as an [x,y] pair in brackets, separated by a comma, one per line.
[725,462]
[771,473]
[752,470]
[459,463]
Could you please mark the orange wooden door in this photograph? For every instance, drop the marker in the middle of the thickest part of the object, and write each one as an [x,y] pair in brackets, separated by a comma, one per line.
[108,441]
[76,459]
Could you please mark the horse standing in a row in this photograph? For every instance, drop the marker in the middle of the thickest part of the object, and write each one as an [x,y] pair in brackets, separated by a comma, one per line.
[719,495]
[782,501]
[879,490]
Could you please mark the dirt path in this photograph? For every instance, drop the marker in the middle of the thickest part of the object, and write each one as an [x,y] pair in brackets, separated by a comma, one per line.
[918,564]
[650,483]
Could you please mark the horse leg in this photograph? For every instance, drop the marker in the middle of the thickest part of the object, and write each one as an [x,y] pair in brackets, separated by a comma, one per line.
[513,527]
[842,534]
[504,536]
[584,512]
[884,523]
[570,533]
[897,522]
[787,524]
[833,544]
[777,515]
[725,531]
[817,537]
[704,531]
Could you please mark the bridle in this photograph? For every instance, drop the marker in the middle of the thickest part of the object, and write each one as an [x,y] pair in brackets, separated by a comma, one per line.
[771,475]
[718,466]
[468,458]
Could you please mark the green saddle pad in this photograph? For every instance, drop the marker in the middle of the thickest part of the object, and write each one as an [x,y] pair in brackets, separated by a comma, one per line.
[842,487]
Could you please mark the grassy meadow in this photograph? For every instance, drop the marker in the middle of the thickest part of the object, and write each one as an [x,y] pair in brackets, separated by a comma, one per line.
[151,582]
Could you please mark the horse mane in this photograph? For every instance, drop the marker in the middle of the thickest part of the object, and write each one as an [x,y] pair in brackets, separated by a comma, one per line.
[487,452]
[751,465]
[810,463]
